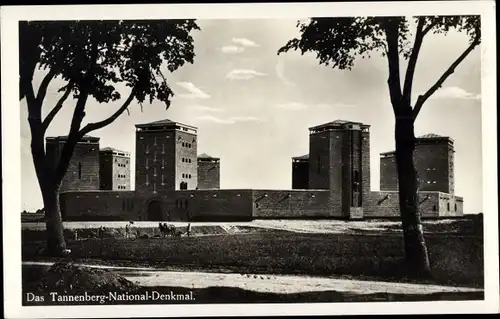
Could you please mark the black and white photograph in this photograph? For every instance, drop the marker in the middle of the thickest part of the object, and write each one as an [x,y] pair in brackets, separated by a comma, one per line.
[336,158]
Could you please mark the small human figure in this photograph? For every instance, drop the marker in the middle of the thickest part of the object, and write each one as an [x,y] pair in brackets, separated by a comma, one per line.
[76,234]
[188,231]
[127,230]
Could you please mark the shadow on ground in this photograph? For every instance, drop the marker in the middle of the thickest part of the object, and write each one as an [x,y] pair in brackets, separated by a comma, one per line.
[67,279]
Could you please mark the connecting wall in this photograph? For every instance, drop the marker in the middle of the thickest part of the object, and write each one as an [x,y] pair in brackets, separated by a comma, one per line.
[332,181]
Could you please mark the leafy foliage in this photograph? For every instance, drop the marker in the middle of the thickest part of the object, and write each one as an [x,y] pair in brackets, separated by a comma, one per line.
[97,55]
[338,41]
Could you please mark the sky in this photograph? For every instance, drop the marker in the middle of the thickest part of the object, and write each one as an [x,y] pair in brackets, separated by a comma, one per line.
[253,108]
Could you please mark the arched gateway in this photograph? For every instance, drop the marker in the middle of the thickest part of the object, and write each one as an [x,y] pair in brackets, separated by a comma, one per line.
[155,210]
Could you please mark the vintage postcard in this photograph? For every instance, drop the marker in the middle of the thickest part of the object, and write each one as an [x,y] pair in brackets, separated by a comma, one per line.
[200,160]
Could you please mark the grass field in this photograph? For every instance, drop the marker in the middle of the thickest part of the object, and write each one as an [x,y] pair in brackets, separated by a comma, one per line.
[455,259]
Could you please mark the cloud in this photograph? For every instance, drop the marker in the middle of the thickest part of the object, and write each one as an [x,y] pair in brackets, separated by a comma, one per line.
[454,92]
[194,92]
[204,108]
[232,49]
[231,120]
[213,119]
[292,106]
[240,47]
[280,73]
[245,42]
[243,74]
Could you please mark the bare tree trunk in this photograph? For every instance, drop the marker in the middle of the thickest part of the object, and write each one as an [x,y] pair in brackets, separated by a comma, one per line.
[415,247]
[49,182]
[53,220]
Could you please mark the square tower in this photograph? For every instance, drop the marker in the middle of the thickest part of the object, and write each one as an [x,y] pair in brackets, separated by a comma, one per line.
[166,156]
[339,160]
[208,172]
[114,169]
[388,172]
[300,172]
[434,163]
[83,169]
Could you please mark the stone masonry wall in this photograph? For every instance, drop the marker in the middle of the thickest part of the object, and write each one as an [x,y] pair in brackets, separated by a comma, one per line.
[450,205]
[106,171]
[388,174]
[155,160]
[319,160]
[208,174]
[186,160]
[210,205]
[199,205]
[432,205]
[451,170]
[432,162]
[238,205]
[365,168]
[83,170]
[293,204]
[121,173]
[100,206]
[381,206]
[300,174]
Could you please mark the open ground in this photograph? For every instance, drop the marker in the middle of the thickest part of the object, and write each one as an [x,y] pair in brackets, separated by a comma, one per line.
[304,260]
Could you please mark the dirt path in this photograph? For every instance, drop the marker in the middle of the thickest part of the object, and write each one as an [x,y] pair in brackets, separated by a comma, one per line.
[267,283]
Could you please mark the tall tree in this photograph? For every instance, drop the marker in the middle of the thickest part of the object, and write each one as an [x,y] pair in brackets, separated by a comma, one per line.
[94,59]
[337,42]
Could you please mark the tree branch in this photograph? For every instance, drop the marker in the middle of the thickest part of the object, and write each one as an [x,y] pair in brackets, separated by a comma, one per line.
[97,125]
[429,27]
[422,98]
[72,138]
[37,142]
[48,119]
[42,90]
[78,115]
[412,62]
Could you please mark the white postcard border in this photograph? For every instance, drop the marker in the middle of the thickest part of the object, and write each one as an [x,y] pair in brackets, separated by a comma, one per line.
[11,155]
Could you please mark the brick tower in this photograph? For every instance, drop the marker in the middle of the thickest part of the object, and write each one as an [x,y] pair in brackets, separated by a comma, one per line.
[434,163]
[165,156]
[208,172]
[339,160]
[300,172]
[388,172]
[114,169]
[83,169]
